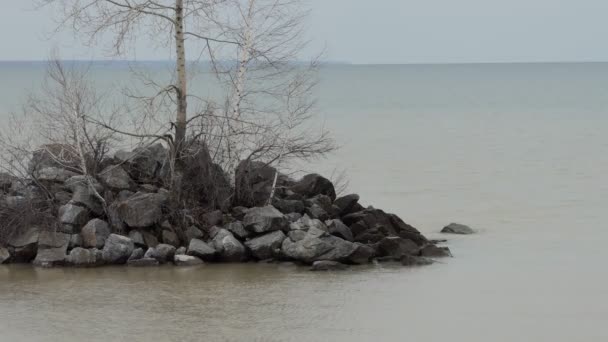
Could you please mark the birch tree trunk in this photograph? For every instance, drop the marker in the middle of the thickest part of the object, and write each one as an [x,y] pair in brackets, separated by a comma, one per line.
[181,117]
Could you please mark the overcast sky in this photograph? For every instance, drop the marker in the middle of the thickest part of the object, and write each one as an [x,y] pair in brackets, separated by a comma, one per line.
[388,31]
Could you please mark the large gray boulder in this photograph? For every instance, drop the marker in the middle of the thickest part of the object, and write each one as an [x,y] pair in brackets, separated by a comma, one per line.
[73,214]
[187,260]
[264,219]
[115,177]
[339,229]
[318,245]
[163,253]
[266,246]
[457,228]
[432,251]
[305,223]
[345,204]
[397,247]
[52,249]
[238,230]
[142,209]
[82,257]
[95,233]
[117,249]
[201,249]
[145,164]
[229,249]
[24,245]
[314,184]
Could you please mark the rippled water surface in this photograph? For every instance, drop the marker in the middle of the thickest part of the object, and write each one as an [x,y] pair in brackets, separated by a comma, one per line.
[519,152]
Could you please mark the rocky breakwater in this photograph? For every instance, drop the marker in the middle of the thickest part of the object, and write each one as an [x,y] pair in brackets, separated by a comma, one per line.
[135,224]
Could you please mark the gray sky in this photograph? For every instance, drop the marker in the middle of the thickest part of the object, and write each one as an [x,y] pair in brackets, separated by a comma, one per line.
[388,31]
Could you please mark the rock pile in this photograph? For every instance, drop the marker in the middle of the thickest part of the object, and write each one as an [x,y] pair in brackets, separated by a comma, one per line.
[135,225]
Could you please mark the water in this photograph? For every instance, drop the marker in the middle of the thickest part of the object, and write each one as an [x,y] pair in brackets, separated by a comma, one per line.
[519,152]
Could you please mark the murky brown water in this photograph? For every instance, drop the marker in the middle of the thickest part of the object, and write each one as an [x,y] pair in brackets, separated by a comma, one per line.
[519,152]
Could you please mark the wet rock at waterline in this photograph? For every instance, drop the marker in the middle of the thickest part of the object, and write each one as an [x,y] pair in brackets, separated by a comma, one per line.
[457,228]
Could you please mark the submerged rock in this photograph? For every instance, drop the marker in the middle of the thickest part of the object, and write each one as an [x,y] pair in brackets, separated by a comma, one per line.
[456,228]
[397,247]
[433,251]
[52,249]
[410,260]
[187,260]
[144,262]
[325,265]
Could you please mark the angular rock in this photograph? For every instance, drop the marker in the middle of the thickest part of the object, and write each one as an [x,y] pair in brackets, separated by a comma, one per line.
[345,204]
[253,183]
[193,233]
[228,248]
[433,251]
[318,245]
[362,254]
[339,229]
[180,251]
[84,196]
[81,257]
[117,249]
[73,214]
[115,177]
[316,212]
[237,229]
[138,253]
[145,164]
[305,223]
[200,249]
[266,246]
[457,228]
[314,184]
[325,265]
[288,206]
[187,260]
[163,253]
[142,209]
[296,235]
[144,262]
[150,239]
[264,219]
[293,217]
[52,249]
[169,237]
[410,260]
[138,238]
[95,233]
[397,247]
[239,212]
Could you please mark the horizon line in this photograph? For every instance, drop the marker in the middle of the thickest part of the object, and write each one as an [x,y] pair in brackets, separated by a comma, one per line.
[323,62]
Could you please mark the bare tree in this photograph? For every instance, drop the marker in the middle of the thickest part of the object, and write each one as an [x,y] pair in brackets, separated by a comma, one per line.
[166,22]
[60,132]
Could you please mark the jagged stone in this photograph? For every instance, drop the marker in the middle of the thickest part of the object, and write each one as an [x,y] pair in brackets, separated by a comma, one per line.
[228,248]
[237,229]
[72,214]
[142,209]
[115,177]
[266,246]
[264,219]
[345,204]
[95,233]
[201,249]
[314,184]
[339,229]
[117,249]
